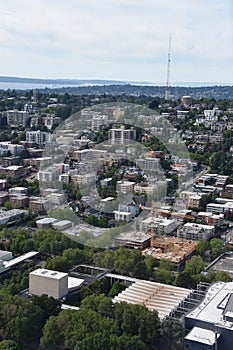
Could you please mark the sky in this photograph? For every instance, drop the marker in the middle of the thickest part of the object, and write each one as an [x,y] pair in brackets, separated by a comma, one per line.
[118,39]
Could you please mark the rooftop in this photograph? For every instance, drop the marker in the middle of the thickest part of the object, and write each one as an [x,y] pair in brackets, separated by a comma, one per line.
[202,335]
[212,308]
[49,274]
[158,297]
[19,259]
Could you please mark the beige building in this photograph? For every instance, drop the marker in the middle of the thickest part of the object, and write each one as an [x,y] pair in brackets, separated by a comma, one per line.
[52,283]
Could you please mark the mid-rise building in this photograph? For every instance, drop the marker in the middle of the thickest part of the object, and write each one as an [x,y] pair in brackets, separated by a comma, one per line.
[16,118]
[38,137]
[125,187]
[121,136]
[52,283]
[196,231]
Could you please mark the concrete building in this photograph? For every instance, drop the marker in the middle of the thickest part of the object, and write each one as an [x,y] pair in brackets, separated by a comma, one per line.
[14,171]
[52,283]
[38,137]
[194,201]
[8,161]
[133,240]
[148,189]
[49,175]
[8,148]
[196,231]
[13,191]
[125,187]
[121,136]
[98,121]
[162,226]
[37,204]
[83,179]
[19,201]
[16,118]
[211,323]
[125,212]
[215,208]
[62,225]
[45,223]
[64,178]
[12,215]
[211,219]
[148,164]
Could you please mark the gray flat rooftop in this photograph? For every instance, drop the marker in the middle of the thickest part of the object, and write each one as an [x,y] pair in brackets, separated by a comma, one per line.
[211,309]
[225,263]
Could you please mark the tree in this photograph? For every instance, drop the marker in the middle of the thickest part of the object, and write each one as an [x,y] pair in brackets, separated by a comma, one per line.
[194,266]
[117,288]
[8,205]
[185,280]
[216,247]
[59,263]
[164,276]
[202,246]
[171,334]
[8,345]
[92,220]
[223,276]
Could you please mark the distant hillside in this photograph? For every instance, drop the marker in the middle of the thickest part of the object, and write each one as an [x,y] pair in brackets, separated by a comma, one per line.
[217,92]
[115,87]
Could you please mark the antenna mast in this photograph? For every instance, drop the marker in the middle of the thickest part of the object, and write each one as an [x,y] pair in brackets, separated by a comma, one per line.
[167,94]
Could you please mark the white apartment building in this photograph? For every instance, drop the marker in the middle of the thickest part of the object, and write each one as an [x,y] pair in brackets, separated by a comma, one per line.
[39,137]
[162,226]
[18,191]
[14,149]
[121,136]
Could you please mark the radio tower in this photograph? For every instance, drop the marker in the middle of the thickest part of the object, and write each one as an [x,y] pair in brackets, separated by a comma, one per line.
[167,93]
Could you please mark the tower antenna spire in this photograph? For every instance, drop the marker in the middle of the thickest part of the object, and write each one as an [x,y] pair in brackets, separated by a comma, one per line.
[167,93]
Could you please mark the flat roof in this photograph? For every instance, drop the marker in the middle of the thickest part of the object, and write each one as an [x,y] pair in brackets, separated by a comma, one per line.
[159,297]
[49,274]
[201,335]
[211,309]
[74,283]
[133,236]
[224,263]
[63,223]
[18,188]
[46,221]
[19,259]
[12,212]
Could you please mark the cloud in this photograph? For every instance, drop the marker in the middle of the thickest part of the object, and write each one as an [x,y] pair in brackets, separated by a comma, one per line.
[120,38]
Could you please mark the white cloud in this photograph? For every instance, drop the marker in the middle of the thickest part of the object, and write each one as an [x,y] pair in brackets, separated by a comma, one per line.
[115,39]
